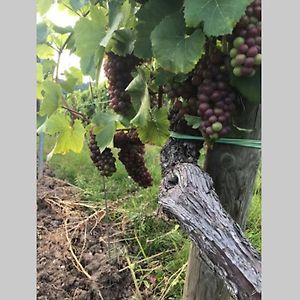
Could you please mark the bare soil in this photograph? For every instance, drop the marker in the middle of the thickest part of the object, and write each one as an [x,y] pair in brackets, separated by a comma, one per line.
[73,260]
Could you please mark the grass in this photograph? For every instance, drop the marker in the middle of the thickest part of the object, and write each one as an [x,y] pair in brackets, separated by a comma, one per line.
[162,245]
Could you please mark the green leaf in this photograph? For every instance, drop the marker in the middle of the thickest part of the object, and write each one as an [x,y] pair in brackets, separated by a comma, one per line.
[41,33]
[149,16]
[52,97]
[43,6]
[219,16]
[162,77]
[62,30]
[77,4]
[249,87]
[157,130]
[174,51]
[39,72]
[69,138]
[73,77]
[105,128]
[193,121]
[44,51]
[122,42]
[138,90]
[114,25]
[88,32]
[48,66]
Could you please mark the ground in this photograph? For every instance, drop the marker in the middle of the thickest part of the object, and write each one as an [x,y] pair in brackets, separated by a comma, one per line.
[72,255]
[148,254]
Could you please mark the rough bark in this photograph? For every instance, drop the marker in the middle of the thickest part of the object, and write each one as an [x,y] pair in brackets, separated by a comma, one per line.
[187,193]
[233,170]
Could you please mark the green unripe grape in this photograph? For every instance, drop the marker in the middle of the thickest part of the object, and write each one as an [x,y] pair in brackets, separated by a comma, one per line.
[238,42]
[233,52]
[257,60]
[233,62]
[240,59]
[237,71]
[217,126]
[214,136]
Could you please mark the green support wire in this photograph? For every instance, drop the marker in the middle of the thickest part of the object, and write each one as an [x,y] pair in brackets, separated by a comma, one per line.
[230,141]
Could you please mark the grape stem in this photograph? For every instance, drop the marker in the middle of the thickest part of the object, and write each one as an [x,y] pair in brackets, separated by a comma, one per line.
[76,114]
[160,94]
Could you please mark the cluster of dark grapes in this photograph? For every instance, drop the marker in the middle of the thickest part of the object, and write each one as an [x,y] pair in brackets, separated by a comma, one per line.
[184,90]
[246,42]
[183,96]
[216,99]
[118,71]
[105,161]
[132,156]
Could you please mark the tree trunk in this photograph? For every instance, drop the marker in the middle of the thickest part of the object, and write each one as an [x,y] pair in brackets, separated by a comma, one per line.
[187,194]
[233,170]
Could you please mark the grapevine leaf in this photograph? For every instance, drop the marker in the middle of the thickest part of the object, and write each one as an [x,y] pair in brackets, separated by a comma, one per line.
[122,42]
[41,33]
[162,77]
[77,4]
[61,30]
[44,51]
[105,128]
[219,16]
[39,78]
[88,32]
[69,138]
[249,87]
[193,121]
[114,26]
[73,78]
[157,130]
[43,6]
[174,51]
[128,14]
[149,15]
[52,97]
[48,66]
[39,72]
[138,90]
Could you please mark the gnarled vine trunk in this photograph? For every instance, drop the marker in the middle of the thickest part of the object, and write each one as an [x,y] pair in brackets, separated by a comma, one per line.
[187,194]
[233,170]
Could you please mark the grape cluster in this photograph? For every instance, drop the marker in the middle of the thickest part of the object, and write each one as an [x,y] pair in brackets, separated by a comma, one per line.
[182,89]
[245,50]
[117,70]
[132,156]
[105,161]
[216,99]
[183,96]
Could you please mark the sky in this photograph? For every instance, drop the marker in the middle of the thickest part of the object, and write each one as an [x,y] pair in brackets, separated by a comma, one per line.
[63,19]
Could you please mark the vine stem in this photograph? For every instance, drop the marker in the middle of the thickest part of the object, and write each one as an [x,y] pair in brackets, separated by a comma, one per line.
[106,218]
[160,94]
[57,66]
[76,113]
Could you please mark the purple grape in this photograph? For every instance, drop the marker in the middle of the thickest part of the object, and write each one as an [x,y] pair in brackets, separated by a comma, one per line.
[243,49]
[249,62]
[252,52]
[209,112]
[250,41]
